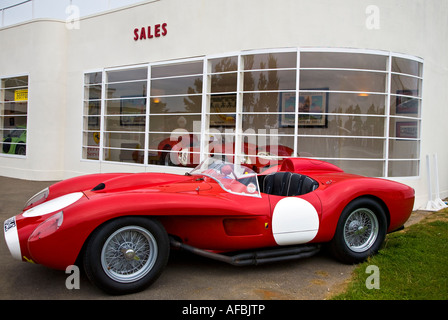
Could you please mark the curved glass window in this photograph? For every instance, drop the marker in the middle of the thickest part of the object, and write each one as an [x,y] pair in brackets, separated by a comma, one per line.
[358,109]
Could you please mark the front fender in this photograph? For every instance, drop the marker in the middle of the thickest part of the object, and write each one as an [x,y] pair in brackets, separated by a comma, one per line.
[80,183]
[62,247]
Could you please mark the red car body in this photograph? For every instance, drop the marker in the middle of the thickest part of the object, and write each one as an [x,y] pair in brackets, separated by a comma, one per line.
[207,216]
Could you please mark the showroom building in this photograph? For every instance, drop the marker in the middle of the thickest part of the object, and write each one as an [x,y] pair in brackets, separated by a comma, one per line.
[161,85]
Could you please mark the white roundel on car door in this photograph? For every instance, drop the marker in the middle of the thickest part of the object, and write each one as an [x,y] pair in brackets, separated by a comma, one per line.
[294,221]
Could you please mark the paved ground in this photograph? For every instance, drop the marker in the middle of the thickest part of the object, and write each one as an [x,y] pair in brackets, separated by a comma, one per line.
[186,276]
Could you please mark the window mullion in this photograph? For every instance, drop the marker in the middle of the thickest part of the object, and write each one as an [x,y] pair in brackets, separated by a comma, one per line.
[148,106]
[296,108]
[205,118]
[102,113]
[387,124]
[238,115]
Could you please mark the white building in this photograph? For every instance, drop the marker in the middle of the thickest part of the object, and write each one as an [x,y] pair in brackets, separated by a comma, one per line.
[95,86]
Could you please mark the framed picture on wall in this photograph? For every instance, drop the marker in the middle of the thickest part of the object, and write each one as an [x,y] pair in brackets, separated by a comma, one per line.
[313,108]
[408,104]
[132,112]
[223,110]
[287,104]
[407,129]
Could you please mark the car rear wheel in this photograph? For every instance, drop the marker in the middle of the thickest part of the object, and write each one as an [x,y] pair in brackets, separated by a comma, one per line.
[126,255]
[360,232]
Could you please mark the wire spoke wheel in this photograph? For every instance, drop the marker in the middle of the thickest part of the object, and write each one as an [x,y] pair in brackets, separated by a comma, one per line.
[129,254]
[361,230]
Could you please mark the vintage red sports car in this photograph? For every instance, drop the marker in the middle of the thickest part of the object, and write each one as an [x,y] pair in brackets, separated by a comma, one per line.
[123,226]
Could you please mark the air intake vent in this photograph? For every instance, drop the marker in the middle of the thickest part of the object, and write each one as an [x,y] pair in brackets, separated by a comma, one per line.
[101,186]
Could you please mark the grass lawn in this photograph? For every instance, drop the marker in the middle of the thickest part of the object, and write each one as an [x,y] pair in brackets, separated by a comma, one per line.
[412,265]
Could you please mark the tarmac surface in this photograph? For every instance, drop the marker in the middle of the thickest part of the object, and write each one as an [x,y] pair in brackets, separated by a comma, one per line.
[186,277]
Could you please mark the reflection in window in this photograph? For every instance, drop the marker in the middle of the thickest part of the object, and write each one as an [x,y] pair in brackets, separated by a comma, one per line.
[405,85]
[176,104]
[175,113]
[222,108]
[356,103]
[176,69]
[274,60]
[92,116]
[403,168]
[407,66]
[127,75]
[343,60]
[341,147]
[268,107]
[336,80]
[223,82]
[343,125]
[365,167]
[125,115]
[176,86]
[405,106]
[126,90]
[270,80]
[405,113]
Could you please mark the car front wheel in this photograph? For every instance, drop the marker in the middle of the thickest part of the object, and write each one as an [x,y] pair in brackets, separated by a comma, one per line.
[360,232]
[126,255]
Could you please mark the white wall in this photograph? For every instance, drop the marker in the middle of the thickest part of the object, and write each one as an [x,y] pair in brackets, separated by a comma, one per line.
[206,27]
[38,50]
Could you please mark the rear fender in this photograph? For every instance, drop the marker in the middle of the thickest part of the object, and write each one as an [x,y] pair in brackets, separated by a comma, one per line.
[396,200]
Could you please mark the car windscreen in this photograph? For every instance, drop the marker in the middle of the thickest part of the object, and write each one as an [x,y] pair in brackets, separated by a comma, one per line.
[233,178]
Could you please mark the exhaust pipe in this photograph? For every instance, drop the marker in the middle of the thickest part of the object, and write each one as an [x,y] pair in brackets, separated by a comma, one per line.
[255,257]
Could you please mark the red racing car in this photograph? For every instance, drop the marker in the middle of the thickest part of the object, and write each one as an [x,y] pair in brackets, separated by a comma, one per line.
[121,227]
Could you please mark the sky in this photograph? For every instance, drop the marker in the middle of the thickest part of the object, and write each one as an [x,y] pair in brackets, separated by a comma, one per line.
[56,9]
[7,3]
[105,3]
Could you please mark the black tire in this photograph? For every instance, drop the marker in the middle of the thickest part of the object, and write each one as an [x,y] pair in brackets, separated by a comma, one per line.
[165,159]
[6,145]
[21,149]
[119,264]
[360,231]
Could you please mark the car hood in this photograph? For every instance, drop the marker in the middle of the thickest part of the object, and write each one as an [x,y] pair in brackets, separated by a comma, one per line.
[150,182]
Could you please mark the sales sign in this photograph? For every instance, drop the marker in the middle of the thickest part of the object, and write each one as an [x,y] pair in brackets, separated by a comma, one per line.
[149,32]
[21,95]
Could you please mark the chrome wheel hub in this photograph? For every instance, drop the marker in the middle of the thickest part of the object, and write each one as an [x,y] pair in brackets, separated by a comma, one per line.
[129,254]
[361,230]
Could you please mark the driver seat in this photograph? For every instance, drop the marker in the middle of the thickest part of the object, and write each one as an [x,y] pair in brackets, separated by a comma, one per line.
[277,183]
[287,184]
